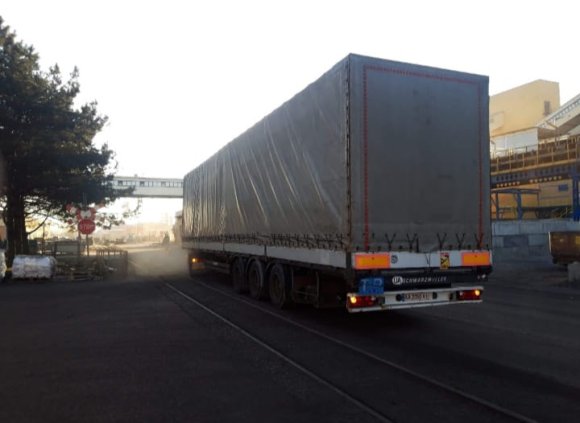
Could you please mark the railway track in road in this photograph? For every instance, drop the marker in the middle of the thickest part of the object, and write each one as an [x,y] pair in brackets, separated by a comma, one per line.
[456,397]
[285,358]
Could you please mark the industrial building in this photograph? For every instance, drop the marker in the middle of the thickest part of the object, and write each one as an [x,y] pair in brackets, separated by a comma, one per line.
[535,144]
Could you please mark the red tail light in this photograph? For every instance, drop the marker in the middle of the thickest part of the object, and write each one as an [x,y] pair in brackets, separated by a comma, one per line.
[361,301]
[469,295]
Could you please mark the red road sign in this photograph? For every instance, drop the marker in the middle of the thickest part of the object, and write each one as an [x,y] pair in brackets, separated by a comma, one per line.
[87,226]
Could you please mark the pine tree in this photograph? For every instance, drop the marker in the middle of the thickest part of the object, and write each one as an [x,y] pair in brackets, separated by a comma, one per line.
[47,155]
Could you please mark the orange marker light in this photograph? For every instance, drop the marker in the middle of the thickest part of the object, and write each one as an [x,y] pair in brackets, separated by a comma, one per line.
[473,259]
[367,261]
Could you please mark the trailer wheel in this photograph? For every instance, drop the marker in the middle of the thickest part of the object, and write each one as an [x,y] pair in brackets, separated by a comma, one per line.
[239,281]
[257,281]
[280,286]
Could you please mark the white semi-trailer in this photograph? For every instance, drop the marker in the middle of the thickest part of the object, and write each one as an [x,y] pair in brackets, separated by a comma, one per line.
[369,189]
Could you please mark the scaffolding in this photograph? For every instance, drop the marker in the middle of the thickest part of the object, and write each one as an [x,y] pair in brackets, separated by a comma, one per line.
[553,161]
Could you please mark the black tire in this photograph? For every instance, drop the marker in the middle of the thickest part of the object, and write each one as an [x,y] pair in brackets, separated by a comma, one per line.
[238,275]
[257,281]
[280,286]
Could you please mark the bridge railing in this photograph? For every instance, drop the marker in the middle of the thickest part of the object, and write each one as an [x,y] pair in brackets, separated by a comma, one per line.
[535,156]
[564,112]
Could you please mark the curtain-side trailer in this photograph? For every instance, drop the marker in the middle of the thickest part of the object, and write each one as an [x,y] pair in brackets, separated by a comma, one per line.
[369,189]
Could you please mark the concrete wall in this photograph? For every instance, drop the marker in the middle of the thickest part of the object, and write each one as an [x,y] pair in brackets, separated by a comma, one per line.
[521,239]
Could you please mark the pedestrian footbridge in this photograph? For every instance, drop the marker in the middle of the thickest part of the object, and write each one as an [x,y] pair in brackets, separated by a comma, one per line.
[150,187]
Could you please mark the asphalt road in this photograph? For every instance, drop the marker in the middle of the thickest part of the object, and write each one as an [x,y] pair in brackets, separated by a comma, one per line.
[162,347]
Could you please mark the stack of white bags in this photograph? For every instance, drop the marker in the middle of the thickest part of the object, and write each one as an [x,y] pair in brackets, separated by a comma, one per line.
[33,267]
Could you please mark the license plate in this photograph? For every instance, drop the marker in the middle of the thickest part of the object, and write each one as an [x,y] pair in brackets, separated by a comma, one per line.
[418,296]
[371,286]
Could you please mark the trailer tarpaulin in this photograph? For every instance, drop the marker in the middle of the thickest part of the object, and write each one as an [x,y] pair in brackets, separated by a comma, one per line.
[379,155]
[286,175]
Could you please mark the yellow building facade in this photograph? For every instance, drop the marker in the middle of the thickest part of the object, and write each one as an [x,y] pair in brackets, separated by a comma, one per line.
[522,107]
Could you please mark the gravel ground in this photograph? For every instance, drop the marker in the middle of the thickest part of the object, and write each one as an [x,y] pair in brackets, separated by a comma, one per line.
[536,272]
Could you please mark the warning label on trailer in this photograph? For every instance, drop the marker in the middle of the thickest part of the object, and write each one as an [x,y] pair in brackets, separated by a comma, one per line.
[444,260]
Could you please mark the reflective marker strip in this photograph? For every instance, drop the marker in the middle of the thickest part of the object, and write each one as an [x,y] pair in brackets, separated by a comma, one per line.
[372,261]
[427,260]
[476,259]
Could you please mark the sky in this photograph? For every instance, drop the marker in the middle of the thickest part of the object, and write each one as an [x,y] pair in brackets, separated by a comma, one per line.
[180,79]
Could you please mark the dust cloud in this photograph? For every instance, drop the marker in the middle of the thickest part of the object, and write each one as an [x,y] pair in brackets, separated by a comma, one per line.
[158,261]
